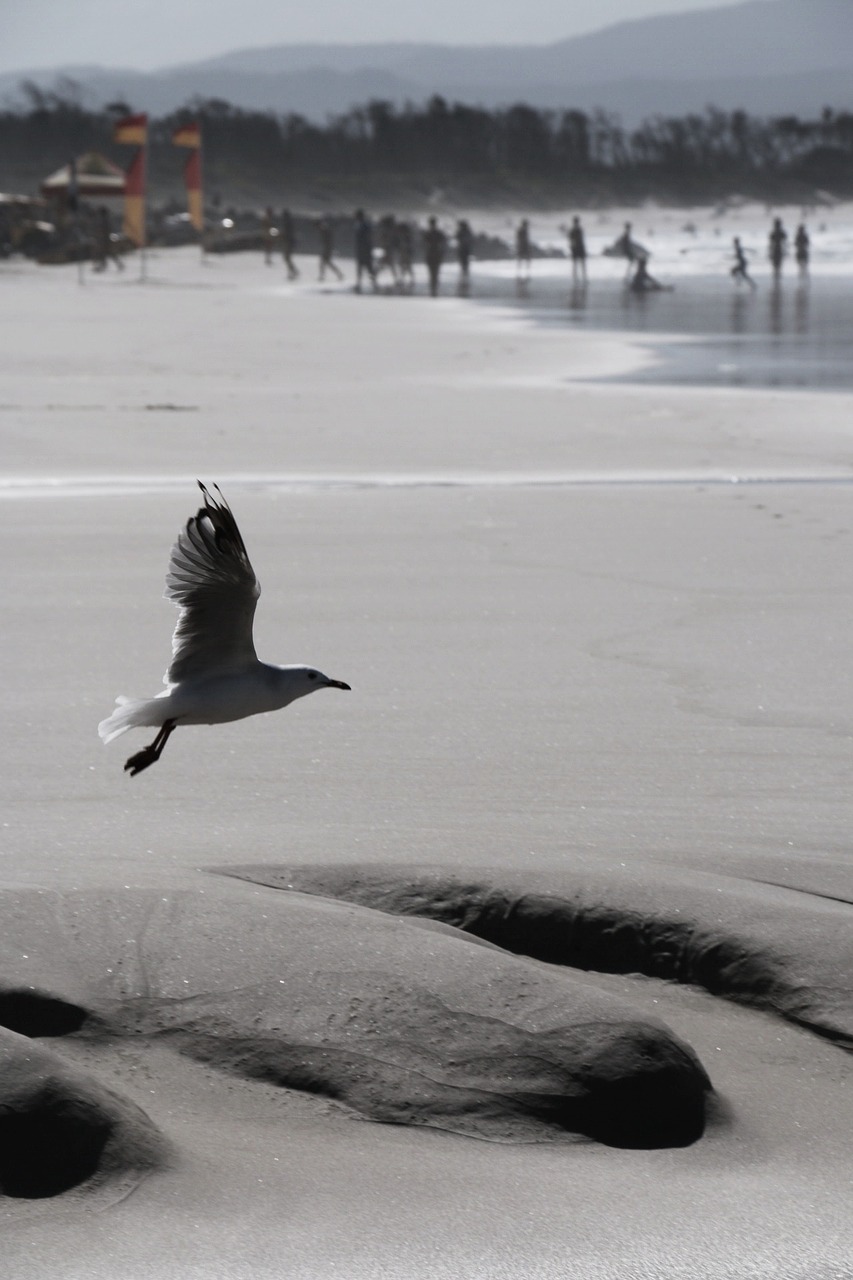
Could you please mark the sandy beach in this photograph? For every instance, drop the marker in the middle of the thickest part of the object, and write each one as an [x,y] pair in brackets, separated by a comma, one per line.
[597,635]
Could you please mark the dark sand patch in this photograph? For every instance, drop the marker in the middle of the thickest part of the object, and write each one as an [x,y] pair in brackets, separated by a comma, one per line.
[402,1024]
[777,948]
[60,1128]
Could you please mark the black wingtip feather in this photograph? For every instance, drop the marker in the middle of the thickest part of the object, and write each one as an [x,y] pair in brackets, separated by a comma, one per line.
[221,519]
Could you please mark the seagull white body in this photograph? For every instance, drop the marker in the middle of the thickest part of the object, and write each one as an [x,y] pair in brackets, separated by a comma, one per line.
[215,675]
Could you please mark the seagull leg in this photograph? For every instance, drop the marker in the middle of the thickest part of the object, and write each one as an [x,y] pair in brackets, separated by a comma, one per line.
[148,755]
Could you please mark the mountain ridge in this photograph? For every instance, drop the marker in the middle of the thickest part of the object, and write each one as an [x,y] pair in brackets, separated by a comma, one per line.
[762,56]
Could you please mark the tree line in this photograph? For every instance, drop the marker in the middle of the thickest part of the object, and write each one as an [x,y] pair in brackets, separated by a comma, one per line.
[569,156]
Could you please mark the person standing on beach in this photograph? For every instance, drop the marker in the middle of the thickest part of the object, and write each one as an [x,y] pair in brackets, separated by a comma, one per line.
[801,249]
[104,248]
[577,250]
[522,250]
[627,247]
[740,270]
[405,250]
[288,243]
[464,250]
[363,247]
[435,243]
[327,248]
[776,246]
[386,235]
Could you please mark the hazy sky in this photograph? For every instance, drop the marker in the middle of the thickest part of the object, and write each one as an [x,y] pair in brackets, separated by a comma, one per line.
[155,33]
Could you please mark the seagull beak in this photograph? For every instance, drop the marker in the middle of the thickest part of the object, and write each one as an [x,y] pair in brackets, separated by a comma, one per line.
[337,684]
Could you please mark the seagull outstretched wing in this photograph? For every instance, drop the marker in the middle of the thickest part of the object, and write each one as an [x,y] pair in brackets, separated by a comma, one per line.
[212,582]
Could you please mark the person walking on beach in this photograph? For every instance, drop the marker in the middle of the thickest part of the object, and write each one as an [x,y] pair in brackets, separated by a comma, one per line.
[523,250]
[740,270]
[268,234]
[801,249]
[435,243]
[104,250]
[363,247]
[464,250]
[577,250]
[386,236]
[405,250]
[776,246]
[327,248]
[288,243]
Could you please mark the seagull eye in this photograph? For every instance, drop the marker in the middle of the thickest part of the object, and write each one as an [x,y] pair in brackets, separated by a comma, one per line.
[312,675]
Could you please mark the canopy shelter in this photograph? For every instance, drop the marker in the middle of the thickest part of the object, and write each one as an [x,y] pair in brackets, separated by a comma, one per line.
[97,177]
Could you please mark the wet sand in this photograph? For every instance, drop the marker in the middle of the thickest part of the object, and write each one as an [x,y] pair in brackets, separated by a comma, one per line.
[597,637]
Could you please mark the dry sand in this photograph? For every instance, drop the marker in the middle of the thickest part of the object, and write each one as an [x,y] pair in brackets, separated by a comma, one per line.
[584,662]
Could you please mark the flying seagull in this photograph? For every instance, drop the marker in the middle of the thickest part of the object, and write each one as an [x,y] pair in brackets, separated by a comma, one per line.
[215,675]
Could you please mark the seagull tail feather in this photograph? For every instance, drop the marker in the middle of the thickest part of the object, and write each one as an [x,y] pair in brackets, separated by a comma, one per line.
[130,713]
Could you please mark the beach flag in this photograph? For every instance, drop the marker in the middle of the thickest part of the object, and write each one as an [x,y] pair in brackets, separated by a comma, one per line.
[189,135]
[133,131]
[134,200]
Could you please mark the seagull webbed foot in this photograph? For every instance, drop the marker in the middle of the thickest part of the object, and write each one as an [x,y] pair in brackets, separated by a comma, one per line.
[150,754]
[141,760]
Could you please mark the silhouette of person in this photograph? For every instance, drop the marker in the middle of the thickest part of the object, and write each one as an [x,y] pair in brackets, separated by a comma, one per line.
[626,247]
[801,249]
[387,238]
[363,238]
[435,243]
[464,251]
[104,250]
[740,270]
[326,234]
[577,249]
[643,281]
[405,251]
[777,245]
[522,249]
[268,233]
[288,243]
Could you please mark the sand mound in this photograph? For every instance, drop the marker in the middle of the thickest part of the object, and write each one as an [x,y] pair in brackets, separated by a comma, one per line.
[60,1128]
[775,947]
[404,1025]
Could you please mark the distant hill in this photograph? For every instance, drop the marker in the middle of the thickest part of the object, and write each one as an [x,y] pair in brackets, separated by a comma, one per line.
[769,57]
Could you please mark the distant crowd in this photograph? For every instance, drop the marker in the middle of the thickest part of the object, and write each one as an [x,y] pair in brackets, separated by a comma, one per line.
[386,250]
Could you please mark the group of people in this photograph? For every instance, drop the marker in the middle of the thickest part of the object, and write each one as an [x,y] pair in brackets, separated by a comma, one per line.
[777,250]
[641,281]
[389,246]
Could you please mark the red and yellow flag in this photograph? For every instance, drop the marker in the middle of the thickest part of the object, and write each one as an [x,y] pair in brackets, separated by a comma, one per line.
[189,135]
[134,200]
[132,130]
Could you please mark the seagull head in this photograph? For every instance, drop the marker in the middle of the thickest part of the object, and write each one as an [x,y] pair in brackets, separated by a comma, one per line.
[298,681]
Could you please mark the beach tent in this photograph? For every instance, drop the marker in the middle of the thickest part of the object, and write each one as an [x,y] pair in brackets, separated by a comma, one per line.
[97,177]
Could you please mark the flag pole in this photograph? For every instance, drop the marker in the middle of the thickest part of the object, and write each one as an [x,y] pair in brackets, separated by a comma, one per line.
[143,259]
[189,135]
[201,235]
[133,131]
